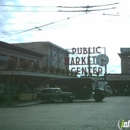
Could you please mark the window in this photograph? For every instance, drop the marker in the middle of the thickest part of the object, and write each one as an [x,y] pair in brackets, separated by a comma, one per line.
[47,59]
[47,91]
[61,64]
[61,55]
[56,91]
[31,62]
[53,62]
[14,58]
[3,60]
[22,60]
[54,52]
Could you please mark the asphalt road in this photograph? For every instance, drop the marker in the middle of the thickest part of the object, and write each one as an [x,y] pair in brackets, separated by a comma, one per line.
[79,115]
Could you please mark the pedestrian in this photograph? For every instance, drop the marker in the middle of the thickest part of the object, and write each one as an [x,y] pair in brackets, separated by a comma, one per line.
[116,92]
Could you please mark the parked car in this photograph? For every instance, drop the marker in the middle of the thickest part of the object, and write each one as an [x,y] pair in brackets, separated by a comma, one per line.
[55,94]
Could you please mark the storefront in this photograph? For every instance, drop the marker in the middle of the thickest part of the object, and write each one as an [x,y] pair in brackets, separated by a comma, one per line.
[22,85]
[120,83]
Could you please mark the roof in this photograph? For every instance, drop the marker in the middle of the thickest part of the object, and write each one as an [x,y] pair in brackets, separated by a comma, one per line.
[126,54]
[46,43]
[69,81]
[50,43]
[19,49]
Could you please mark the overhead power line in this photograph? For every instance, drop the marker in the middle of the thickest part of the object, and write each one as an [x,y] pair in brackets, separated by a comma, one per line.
[112,14]
[81,8]
[1,23]
[87,6]
[39,27]
[61,10]
[55,26]
[61,6]
[5,33]
[85,10]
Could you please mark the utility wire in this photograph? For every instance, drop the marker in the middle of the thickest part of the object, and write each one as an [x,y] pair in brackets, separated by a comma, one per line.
[61,6]
[85,10]
[39,27]
[72,7]
[38,11]
[46,28]
[112,14]
[1,23]
[87,6]
[57,10]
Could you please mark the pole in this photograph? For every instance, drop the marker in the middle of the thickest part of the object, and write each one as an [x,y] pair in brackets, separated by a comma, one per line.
[8,91]
[105,65]
[88,64]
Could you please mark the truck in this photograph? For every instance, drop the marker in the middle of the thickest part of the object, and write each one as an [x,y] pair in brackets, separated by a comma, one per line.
[55,94]
[81,87]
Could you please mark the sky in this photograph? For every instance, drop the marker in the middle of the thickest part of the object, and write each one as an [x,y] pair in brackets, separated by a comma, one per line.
[68,29]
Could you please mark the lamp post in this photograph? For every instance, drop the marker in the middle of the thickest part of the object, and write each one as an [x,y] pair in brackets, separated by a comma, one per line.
[105,65]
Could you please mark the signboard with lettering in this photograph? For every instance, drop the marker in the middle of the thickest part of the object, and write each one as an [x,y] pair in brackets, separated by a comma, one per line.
[89,57]
[117,77]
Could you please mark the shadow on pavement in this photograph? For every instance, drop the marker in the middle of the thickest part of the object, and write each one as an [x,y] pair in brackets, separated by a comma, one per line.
[31,103]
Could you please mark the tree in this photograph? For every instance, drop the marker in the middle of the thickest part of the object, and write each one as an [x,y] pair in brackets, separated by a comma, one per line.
[58,70]
[63,71]
[11,64]
[36,66]
[25,65]
[75,73]
[67,71]
[86,74]
[52,69]
[45,68]
[72,73]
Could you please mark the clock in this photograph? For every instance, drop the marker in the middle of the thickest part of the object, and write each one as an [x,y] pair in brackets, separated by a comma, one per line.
[102,60]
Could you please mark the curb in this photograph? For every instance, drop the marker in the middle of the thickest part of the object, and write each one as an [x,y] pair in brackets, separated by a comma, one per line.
[20,104]
[27,104]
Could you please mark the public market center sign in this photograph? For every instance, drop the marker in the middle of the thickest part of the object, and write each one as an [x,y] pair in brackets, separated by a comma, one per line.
[87,57]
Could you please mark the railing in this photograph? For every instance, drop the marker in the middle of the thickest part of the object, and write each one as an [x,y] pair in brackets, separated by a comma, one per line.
[26,73]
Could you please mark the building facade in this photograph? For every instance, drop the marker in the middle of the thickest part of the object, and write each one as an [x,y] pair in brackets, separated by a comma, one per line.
[18,54]
[24,84]
[54,55]
[125,60]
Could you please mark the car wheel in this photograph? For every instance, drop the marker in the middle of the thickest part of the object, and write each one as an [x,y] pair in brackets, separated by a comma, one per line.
[66,99]
[108,94]
[98,99]
[46,100]
[71,100]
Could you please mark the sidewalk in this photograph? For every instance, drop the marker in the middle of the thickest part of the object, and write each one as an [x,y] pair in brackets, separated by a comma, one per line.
[20,103]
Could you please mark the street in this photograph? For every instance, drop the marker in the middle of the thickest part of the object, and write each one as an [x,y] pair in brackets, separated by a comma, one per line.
[79,115]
